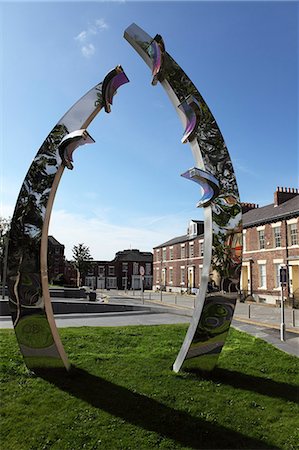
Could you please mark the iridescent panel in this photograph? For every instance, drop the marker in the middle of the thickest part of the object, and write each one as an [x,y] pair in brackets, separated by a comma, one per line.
[191,109]
[208,183]
[111,83]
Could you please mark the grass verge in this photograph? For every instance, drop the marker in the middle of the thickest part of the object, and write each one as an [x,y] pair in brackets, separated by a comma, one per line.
[122,394]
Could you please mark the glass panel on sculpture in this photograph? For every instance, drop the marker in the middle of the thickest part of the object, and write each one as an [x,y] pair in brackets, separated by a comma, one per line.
[191,109]
[154,52]
[114,84]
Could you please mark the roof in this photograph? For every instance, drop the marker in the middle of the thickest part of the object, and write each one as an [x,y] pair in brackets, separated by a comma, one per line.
[53,241]
[179,240]
[272,213]
[133,255]
[256,216]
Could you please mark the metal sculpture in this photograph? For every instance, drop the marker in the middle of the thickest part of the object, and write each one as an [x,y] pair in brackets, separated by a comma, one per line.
[29,297]
[213,170]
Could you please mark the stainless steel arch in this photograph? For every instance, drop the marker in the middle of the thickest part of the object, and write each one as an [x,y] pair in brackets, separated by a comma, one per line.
[213,170]
[29,297]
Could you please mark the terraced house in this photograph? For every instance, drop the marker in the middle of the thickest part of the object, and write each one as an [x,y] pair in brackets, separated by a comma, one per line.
[270,240]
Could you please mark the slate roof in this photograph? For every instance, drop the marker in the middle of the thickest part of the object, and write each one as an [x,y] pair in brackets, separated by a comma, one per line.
[271,213]
[179,240]
[133,255]
[254,217]
[53,241]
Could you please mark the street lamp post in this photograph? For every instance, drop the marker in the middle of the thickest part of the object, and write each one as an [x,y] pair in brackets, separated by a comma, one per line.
[283,282]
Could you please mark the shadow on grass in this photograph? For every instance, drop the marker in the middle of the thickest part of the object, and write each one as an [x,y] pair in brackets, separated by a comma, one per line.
[260,385]
[148,413]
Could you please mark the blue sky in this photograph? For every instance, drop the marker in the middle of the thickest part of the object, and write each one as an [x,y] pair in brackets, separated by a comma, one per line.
[126,190]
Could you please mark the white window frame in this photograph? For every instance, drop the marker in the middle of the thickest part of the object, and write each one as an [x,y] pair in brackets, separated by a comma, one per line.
[277,236]
[293,227]
[262,276]
[191,246]
[261,233]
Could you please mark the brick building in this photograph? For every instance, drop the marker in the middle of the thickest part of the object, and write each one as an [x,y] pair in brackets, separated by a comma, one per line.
[123,272]
[178,262]
[270,241]
[55,259]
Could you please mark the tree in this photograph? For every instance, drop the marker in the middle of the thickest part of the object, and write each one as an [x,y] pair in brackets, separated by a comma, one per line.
[81,257]
[4,229]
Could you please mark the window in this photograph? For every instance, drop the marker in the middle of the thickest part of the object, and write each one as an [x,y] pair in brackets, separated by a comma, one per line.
[164,254]
[158,255]
[244,241]
[171,253]
[148,268]
[183,253]
[277,236]
[261,238]
[201,248]
[157,275]
[293,234]
[101,270]
[199,275]
[182,275]
[135,268]
[111,271]
[125,267]
[170,275]
[277,275]
[262,276]
[191,250]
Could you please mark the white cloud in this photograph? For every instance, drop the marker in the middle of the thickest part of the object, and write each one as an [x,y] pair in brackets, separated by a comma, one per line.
[84,38]
[105,239]
[101,24]
[81,36]
[88,50]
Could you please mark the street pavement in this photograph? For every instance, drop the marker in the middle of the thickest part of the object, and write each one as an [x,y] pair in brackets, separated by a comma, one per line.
[262,321]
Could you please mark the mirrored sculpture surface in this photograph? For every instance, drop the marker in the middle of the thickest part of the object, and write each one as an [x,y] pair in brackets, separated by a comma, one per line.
[29,297]
[213,169]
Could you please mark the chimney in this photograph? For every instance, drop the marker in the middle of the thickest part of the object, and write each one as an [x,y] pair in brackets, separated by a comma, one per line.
[283,194]
[248,206]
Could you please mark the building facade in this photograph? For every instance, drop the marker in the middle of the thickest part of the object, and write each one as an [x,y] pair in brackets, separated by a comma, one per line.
[270,241]
[178,262]
[130,269]
[56,260]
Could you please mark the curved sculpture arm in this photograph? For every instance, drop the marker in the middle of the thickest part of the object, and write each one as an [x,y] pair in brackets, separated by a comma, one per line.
[29,298]
[217,295]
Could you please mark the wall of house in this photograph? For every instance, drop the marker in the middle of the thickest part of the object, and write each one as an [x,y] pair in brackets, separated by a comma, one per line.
[276,252]
[174,264]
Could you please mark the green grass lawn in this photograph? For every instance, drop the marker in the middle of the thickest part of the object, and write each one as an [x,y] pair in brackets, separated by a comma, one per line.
[122,394]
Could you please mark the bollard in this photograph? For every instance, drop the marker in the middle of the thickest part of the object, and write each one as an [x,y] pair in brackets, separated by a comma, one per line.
[249,310]
[293,318]
[175,299]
